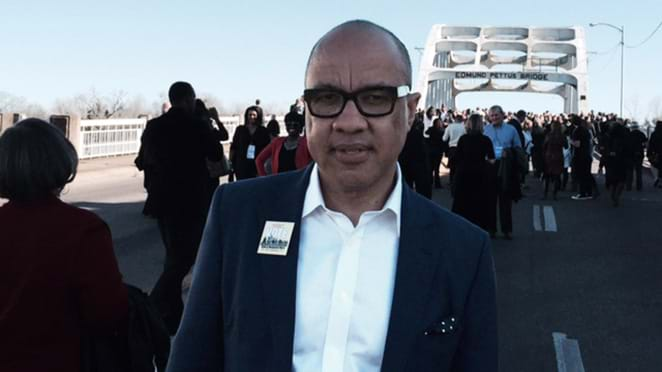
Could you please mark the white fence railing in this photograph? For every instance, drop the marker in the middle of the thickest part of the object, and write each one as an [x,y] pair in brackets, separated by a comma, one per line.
[113,137]
[110,137]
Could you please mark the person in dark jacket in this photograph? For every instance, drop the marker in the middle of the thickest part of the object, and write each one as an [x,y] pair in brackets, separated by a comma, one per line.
[473,156]
[211,119]
[617,160]
[59,277]
[436,149]
[248,141]
[414,161]
[582,158]
[553,147]
[636,143]
[174,152]
[273,127]
[537,153]
[654,151]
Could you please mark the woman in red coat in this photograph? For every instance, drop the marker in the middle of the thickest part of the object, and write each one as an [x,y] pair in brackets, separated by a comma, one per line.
[286,153]
[58,272]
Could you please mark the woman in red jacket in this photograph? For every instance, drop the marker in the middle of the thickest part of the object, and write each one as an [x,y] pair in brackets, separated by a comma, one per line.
[286,153]
[58,273]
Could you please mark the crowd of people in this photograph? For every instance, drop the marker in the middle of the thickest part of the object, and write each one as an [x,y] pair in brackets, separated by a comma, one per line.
[351,202]
[557,149]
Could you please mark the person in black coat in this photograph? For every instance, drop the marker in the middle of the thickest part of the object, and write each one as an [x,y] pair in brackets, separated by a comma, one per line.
[210,118]
[654,151]
[414,161]
[474,153]
[617,160]
[538,135]
[582,158]
[173,153]
[436,149]
[636,143]
[248,141]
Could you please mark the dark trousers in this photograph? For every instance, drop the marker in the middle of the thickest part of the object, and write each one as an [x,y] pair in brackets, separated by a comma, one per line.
[181,236]
[419,178]
[435,162]
[451,162]
[582,169]
[556,180]
[634,167]
[500,199]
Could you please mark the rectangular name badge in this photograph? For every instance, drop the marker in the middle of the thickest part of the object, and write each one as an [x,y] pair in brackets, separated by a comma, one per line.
[250,153]
[276,238]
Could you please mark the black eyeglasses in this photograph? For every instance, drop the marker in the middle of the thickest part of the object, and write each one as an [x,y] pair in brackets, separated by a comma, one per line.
[371,102]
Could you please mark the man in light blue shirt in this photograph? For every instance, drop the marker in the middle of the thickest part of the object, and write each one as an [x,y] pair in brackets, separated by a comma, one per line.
[504,139]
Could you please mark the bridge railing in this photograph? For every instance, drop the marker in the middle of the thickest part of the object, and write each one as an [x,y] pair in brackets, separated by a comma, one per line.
[113,137]
[110,137]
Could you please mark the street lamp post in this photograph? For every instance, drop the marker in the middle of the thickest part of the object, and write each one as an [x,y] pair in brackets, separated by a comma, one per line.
[622,31]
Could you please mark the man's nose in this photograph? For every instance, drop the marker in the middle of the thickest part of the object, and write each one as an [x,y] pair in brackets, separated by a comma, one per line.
[350,119]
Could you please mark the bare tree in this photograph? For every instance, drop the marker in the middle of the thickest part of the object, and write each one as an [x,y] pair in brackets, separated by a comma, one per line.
[12,103]
[92,105]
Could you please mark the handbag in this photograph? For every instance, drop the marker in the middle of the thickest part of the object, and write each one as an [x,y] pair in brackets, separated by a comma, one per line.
[219,168]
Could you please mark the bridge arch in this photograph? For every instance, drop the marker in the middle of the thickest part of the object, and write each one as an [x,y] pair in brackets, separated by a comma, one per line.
[453,55]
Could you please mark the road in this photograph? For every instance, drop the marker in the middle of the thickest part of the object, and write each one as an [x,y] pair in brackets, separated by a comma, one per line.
[581,268]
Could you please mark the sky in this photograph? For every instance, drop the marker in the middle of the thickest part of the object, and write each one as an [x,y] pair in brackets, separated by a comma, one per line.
[238,51]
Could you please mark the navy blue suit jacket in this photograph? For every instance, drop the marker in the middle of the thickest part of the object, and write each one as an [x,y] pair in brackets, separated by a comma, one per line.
[241,306]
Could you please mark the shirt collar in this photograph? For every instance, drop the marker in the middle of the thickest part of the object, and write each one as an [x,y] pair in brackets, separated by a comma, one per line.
[314,198]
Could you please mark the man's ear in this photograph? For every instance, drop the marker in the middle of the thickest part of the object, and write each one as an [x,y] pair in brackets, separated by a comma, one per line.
[412,102]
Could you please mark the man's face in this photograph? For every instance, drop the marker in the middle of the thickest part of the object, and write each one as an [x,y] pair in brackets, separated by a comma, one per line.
[354,152]
[496,116]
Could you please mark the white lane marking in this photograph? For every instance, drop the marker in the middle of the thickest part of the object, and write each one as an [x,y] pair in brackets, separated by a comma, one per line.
[550,219]
[536,218]
[568,356]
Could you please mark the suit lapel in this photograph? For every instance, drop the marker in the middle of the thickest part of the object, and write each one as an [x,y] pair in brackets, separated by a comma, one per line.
[279,273]
[414,273]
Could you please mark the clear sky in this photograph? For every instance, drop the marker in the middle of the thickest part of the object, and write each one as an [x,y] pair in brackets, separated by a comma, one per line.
[242,50]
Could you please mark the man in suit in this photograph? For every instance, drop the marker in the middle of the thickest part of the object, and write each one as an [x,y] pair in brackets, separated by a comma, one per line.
[173,153]
[345,268]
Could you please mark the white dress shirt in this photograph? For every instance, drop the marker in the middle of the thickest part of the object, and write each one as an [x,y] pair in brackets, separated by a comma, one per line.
[345,280]
[453,133]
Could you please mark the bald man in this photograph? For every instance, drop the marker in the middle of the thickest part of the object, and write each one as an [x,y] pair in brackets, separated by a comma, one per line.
[345,268]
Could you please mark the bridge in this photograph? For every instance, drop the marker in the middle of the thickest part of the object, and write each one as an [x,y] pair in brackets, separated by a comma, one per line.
[481,59]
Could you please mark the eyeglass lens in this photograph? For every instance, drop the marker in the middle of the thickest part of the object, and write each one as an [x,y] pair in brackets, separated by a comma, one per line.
[375,101]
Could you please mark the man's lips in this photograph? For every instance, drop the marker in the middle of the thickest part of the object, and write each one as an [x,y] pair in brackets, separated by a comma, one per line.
[351,153]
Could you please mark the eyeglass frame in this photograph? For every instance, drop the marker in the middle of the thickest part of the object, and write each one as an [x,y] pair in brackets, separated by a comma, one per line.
[400,92]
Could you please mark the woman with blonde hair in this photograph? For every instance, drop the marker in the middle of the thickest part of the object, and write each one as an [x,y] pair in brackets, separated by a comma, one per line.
[472,182]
